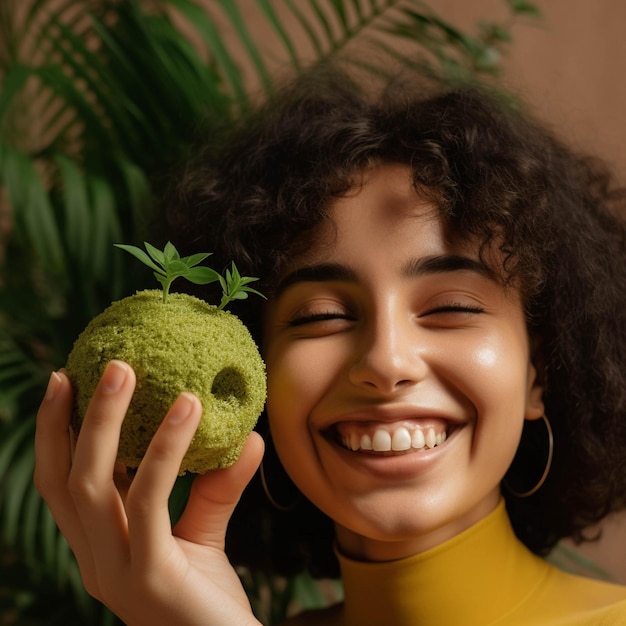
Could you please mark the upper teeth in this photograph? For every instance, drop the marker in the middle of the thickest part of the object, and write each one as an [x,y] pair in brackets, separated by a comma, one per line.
[401,439]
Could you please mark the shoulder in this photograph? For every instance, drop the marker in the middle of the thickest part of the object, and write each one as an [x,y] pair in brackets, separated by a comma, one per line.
[578,601]
[611,615]
[591,592]
[614,615]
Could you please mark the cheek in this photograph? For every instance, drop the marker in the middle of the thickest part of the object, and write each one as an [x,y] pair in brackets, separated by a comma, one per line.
[485,357]
[300,374]
[293,387]
[497,373]
[497,368]
[290,394]
[289,381]
[299,377]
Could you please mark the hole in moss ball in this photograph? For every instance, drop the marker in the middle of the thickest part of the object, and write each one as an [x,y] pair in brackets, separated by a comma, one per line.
[229,384]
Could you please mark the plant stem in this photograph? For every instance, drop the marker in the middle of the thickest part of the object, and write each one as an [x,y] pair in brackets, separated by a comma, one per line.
[166,290]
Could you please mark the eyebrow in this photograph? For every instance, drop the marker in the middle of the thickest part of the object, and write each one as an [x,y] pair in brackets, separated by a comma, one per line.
[445,263]
[324,272]
[435,264]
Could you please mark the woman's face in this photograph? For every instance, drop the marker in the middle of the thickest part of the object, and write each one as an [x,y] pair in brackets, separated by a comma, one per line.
[399,373]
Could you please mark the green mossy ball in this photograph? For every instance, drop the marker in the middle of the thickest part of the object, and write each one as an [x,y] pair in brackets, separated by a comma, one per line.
[182,345]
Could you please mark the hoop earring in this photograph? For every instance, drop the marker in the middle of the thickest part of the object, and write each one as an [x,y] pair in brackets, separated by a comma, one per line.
[271,457]
[285,508]
[546,471]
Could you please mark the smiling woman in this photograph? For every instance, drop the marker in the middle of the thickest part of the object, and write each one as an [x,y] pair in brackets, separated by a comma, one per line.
[380,354]
[442,276]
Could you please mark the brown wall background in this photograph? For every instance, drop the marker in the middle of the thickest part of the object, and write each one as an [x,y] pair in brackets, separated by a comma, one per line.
[570,67]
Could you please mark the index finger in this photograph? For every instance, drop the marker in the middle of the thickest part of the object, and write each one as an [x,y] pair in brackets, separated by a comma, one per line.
[52,438]
[98,439]
[53,460]
[91,480]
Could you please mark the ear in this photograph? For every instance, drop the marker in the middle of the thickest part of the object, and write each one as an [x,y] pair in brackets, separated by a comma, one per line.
[535,407]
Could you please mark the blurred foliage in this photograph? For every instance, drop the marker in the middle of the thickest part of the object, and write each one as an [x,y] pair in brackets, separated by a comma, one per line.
[98,99]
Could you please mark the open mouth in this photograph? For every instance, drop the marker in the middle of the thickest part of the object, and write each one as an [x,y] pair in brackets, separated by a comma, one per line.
[391,438]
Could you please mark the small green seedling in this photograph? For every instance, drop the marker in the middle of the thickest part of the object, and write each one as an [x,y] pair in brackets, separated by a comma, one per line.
[168,265]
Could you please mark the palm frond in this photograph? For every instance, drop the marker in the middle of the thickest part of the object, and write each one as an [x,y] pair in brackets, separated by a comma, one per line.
[282,32]
[32,209]
[221,57]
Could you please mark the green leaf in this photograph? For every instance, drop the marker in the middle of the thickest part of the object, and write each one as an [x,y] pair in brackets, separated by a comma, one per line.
[155,253]
[207,28]
[13,438]
[239,23]
[341,12]
[306,26]
[176,268]
[494,33]
[524,8]
[20,477]
[254,291]
[202,275]
[281,31]
[106,227]
[13,82]
[137,188]
[169,253]
[32,209]
[194,259]
[141,255]
[78,226]
[324,22]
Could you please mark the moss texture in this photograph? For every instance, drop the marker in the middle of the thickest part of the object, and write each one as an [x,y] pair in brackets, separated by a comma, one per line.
[183,345]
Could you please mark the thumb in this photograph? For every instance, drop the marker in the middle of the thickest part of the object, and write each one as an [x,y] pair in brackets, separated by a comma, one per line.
[214,496]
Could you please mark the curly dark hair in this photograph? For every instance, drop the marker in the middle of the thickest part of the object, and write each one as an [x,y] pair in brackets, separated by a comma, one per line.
[251,192]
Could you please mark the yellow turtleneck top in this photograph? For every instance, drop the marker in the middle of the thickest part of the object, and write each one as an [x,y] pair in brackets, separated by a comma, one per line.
[483,577]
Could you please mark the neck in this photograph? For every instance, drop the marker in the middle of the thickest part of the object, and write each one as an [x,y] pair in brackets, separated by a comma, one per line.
[452,583]
[361,548]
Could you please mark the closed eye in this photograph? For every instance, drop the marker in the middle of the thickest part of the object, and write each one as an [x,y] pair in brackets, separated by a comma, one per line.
[455,308]
[301,320]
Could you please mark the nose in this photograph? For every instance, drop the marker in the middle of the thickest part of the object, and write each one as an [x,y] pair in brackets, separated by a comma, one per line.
[389,355]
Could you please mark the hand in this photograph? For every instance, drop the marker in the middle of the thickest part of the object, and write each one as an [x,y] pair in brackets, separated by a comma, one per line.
[129,556]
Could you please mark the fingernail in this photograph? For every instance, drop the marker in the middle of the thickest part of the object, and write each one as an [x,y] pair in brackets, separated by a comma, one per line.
[53,386]
[182,408]
[114,377]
